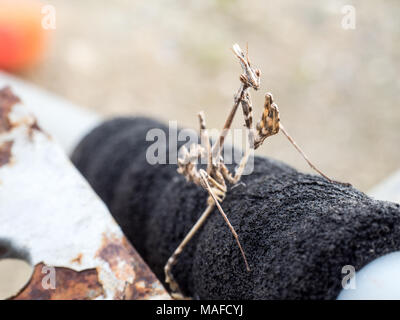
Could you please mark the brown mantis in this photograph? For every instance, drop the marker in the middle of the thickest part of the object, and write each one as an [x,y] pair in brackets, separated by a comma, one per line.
[213,179]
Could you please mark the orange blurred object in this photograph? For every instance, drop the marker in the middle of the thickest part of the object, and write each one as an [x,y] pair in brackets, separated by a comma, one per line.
[22,38]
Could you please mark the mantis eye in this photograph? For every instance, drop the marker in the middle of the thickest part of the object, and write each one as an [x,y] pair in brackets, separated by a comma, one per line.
[258,72]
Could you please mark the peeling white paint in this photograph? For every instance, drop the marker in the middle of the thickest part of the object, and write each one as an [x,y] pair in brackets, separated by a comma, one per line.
[47,207]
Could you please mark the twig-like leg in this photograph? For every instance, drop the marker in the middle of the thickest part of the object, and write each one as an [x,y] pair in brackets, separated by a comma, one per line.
[270,124]
[169,278]
[239,172]
[282,128]
[249,79]
[205,139]
[242,166]
[247,108]
[217,147]
[203,174]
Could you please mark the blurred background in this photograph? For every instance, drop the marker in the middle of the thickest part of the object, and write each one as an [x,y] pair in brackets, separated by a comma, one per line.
[337,88]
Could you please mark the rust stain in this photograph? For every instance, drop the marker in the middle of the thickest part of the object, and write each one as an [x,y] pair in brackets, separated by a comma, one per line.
[5,152]
[34,127]
[78,259]
[7,101]
[128,266]
[70,285]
